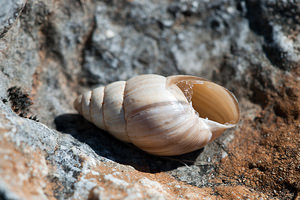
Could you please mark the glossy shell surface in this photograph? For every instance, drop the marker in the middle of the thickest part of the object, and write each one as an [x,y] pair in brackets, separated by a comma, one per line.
[161,115]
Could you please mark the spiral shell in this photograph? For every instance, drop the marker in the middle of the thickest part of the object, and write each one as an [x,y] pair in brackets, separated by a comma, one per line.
[161,115]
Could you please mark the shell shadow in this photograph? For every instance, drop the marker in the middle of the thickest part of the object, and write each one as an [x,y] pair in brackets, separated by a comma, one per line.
[107,146]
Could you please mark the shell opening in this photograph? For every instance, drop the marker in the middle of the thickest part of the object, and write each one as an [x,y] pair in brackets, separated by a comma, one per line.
[211,101]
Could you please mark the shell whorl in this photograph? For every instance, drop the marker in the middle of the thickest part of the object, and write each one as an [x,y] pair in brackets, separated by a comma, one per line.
[161,115]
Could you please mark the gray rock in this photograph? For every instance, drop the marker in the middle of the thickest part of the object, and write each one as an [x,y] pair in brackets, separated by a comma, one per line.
[9,12]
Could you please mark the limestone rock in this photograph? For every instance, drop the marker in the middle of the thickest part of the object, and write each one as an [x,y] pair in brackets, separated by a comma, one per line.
[10,11]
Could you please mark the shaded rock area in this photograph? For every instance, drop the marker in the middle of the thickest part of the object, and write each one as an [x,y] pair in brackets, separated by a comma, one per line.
[50,51]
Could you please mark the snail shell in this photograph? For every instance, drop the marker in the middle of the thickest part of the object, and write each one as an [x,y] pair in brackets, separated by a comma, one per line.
[161,115]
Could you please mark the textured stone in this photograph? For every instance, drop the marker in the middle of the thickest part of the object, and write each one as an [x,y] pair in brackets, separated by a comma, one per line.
[54,50]
[10,11]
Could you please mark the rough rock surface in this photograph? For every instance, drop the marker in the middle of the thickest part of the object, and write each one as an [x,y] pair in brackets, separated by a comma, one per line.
[53,50]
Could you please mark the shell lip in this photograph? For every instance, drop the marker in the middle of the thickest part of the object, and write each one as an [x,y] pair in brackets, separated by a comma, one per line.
[175,79]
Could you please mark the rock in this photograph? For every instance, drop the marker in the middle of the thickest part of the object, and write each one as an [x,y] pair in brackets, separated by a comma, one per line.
[278,23]
[10,11]
[54,50]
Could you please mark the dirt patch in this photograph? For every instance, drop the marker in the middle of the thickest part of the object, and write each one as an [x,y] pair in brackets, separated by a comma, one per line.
[264,154]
